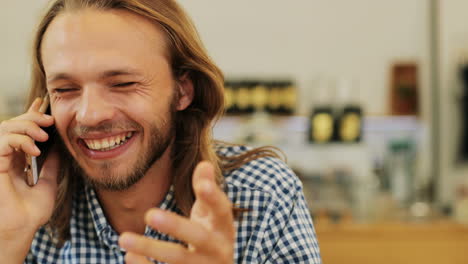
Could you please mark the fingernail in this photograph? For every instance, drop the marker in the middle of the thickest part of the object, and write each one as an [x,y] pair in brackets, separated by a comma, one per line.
[206,187]
[37,150]
[127,240]
[158,218]
[43,133]
[47,116]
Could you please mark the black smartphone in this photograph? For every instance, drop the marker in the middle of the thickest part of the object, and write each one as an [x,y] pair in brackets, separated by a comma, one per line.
[34,164]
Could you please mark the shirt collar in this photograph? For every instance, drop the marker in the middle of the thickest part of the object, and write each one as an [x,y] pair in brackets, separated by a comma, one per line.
[102,227]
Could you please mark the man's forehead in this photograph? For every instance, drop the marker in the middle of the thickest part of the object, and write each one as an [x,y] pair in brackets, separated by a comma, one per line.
[108,41]
[71,25]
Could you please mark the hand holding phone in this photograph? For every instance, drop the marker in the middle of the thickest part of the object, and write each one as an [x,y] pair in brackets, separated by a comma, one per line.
[24,209]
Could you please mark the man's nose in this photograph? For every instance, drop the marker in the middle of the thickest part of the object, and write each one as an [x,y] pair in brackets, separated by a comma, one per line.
[93,108]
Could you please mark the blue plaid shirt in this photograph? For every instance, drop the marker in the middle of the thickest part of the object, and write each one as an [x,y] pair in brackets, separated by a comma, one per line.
[276,229]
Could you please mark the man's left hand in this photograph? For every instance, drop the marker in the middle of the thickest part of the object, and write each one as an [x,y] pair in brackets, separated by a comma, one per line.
[209,232]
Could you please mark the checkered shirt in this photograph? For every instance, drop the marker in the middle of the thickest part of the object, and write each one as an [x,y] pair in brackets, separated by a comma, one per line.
[277,228]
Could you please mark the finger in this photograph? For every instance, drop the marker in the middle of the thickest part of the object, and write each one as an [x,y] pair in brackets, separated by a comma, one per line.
[24,127]
[159,250]
[36,104]
[12,142]
[212,198]
[219,207]
[203,172]
[183,229]
[42,120]
[132,258]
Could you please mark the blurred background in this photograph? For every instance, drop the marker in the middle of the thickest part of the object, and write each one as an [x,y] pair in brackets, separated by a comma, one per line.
[366,98]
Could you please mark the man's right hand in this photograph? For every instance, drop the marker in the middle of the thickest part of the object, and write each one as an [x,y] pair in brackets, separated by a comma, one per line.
[24,208]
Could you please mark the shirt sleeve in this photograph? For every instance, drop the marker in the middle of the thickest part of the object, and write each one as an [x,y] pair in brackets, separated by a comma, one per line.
[291,236]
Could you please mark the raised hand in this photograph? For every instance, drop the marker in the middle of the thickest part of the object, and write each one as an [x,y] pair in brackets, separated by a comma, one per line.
[209,231]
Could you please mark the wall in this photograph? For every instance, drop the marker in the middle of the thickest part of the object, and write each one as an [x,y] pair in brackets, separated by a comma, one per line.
[17,22]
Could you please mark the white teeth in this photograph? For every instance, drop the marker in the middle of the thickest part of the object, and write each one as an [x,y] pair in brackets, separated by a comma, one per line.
[111,142]
[108,143]
[105,143]
[98,144]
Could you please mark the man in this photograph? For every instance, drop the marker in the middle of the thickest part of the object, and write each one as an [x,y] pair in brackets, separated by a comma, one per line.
[133,174]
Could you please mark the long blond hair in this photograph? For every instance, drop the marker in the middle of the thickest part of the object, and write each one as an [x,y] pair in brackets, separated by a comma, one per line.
[193,139]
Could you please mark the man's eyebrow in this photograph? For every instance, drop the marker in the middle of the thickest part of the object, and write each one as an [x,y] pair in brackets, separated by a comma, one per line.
[59,77]
[104,75]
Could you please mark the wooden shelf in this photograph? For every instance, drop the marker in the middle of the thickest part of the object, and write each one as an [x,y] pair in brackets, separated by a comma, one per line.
[395,243]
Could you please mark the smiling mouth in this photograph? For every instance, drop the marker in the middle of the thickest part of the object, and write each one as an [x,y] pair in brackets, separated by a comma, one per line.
[108,143]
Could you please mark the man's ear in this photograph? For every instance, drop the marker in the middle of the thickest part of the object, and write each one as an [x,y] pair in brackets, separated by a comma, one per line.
[185,86]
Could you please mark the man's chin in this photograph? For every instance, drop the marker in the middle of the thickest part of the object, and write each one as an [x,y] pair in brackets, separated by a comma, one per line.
[112,183]
[108,177]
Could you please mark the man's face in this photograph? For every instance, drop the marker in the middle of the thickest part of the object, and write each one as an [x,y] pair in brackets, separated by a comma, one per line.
[112,93]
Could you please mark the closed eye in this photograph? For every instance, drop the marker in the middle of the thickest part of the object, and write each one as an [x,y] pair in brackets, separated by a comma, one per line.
[64,90]
[126,84]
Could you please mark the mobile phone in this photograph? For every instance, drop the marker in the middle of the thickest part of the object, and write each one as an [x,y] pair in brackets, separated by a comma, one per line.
[34,164]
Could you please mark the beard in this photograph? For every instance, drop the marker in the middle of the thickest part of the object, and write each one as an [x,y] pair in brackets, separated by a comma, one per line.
[115,181]
[161,137]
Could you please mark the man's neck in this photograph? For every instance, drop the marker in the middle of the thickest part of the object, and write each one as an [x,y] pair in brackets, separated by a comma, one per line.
[125,210]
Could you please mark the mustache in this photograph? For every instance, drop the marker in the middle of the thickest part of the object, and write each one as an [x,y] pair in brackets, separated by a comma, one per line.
[106,127]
